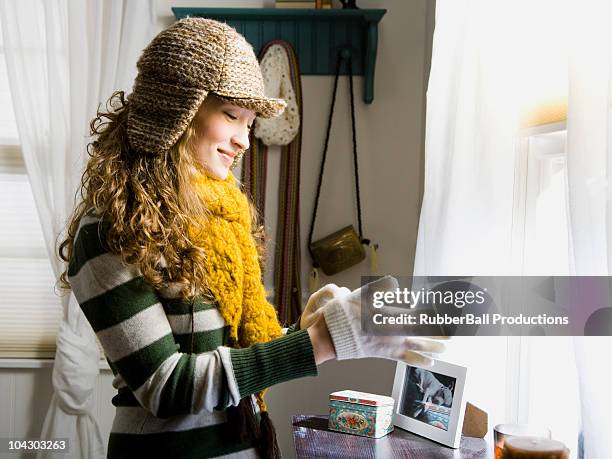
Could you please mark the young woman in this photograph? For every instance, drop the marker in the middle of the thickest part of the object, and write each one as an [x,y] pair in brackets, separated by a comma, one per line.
[164,253]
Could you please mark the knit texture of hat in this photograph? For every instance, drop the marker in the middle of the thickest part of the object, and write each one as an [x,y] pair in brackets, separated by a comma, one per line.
[179,68]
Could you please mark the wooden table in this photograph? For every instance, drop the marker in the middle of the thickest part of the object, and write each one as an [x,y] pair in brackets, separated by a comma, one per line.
[312,438]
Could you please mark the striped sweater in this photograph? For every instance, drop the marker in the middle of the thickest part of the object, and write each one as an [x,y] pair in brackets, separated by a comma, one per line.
[171,402]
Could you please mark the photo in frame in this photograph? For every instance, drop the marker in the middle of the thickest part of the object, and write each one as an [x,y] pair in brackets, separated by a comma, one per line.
[430,401]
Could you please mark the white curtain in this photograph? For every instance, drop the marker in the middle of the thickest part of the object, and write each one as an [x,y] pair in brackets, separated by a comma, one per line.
[64,58]
[469,146]
[492,62]
[465,226]
[589,150]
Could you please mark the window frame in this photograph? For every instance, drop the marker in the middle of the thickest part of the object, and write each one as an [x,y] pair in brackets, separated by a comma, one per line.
[527,188]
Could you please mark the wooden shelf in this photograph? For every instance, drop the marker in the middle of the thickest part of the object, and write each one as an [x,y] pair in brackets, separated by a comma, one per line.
[317,35]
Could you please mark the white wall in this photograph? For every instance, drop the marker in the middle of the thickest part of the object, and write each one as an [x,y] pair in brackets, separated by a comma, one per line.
[390,141]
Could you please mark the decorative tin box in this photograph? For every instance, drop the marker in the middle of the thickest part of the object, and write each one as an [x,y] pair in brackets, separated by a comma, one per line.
[360,413]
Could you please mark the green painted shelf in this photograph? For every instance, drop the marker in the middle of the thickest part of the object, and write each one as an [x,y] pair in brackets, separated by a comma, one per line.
[316,35]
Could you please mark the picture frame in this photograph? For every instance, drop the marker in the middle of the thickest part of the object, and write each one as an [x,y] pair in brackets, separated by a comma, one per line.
[429,401]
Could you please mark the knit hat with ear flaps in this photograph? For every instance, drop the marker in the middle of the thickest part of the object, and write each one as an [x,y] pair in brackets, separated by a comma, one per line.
[179,68]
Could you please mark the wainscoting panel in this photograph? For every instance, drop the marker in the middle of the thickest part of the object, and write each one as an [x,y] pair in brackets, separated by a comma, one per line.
[25,394]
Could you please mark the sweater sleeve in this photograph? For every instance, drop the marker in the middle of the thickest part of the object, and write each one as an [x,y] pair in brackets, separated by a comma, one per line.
[128,318]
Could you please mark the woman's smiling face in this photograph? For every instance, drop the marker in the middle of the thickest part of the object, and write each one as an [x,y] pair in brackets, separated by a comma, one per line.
[222,132]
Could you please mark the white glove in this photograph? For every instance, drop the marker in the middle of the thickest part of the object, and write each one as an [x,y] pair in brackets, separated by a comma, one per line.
[314,305]
[343,318]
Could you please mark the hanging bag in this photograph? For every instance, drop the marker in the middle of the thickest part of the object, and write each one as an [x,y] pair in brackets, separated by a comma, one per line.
[343,248]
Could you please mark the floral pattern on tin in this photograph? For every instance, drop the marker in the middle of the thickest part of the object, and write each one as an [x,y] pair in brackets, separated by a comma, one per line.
[353,421]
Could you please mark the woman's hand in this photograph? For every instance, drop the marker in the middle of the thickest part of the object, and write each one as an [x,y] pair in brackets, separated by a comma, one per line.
[343,319]
[316,302]
[336,333]
[322,344]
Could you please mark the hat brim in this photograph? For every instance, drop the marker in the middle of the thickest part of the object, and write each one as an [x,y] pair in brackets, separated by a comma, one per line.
[265,107]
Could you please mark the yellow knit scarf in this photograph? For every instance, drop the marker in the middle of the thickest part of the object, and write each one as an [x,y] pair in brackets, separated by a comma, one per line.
[232,268]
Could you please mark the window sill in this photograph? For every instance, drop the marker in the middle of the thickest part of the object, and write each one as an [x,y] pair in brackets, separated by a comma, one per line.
[39,363]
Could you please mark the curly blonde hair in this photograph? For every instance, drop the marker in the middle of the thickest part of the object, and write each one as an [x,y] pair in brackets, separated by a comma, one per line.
[147,203]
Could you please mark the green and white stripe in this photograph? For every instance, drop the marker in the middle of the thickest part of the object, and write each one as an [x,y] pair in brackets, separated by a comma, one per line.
[147,339]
